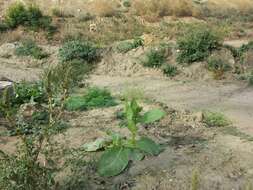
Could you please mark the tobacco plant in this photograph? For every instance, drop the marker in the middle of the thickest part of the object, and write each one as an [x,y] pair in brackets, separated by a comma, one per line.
[121,151]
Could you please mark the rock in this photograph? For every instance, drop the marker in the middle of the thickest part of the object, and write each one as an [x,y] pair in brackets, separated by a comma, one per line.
[6,85]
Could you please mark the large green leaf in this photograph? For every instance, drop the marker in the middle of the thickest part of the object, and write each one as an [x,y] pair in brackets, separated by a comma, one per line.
[113,161]
[97,144]
[152,116]
[136,154]
[148,146]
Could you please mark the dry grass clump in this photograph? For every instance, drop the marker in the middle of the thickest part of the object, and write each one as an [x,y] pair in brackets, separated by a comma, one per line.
[160,8]
[104,8]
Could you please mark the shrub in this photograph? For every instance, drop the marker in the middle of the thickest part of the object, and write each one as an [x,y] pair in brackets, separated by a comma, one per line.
[197,44]
[3,27]
[31,17]
[215,119]
[251,79]
[126,46]
[78,50]
[94,98]
[18,172]
[29,48]
[126,3]
[170,70]
[218,66]
[26,91]
[16,15]
[154,58]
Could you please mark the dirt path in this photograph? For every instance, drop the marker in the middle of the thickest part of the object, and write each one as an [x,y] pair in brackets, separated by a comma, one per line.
[235,99]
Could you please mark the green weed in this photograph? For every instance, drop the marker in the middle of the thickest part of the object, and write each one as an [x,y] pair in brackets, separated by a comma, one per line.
[126,46]
[31,17]
[215,119]
[94,98]
[196,44]
[170,70]
[30,48]
[78,50]
[218,66]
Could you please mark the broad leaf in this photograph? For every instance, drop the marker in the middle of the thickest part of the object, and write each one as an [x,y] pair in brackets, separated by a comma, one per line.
[113,161]
[136,155]
[148,146]
[152,116]
[97,144]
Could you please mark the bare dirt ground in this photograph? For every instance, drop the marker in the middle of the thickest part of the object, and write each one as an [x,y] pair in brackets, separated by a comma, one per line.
[233,98]
[221,158]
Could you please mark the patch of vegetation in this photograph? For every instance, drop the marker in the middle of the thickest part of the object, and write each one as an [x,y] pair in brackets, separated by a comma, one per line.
[121,151]
[30,48]
[215,119]
[155,58]
[250,79]
[218,66]
[94,98]
[170,70]
[126,3]
[236,132]
[23,169]
[196,44]
[31,17]
[126,46]
[26,92]
[3,27]
[78,50]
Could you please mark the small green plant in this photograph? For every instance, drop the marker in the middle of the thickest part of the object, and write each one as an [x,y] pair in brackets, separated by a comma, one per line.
[3,27]
[215,119]
[250,79]
[94,98]
[218,66]
[126,3]
[27,91]
[170,70]
[78,50]
[126,46]
[117,157]
[30,48]
[155,58]
[197,44]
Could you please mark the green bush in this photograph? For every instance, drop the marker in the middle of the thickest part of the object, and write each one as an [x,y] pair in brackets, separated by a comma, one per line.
[26,91]
[197,44]
[94,98]
[170,70]
[126,3]
[20,173]
[126,46]
[155,58]
[215,119]
[16,15]
[30,48]
[218,66]
[78,50]
[3,26]
[251,79]
[31,17]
